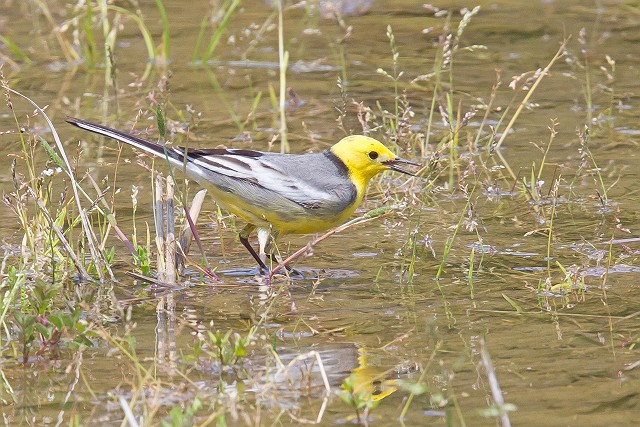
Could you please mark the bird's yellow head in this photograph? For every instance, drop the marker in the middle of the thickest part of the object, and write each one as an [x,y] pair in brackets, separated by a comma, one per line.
[365,157]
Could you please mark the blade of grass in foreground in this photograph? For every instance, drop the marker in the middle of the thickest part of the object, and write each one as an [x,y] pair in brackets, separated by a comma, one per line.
[97,256]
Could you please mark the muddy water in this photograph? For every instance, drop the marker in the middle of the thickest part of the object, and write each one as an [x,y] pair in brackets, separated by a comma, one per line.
[560,358]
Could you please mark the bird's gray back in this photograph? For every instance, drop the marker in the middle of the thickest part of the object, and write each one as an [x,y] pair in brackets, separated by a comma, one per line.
[314,184]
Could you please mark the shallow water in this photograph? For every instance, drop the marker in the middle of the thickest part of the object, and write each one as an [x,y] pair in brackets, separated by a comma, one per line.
[563,355]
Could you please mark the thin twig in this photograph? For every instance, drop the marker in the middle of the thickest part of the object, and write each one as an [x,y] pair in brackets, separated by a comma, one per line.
[530,92]
[304,250]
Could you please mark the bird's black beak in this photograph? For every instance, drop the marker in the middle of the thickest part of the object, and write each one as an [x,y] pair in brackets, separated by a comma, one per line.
[395,165]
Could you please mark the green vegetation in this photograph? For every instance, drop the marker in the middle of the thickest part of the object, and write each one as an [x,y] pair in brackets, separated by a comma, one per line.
[500,233]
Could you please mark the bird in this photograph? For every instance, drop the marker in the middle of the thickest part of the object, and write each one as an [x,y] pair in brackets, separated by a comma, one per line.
[276,194]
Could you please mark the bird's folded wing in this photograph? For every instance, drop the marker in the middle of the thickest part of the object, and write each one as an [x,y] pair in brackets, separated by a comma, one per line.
[280,175]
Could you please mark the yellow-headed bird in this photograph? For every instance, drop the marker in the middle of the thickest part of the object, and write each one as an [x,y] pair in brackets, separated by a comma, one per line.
[276,193]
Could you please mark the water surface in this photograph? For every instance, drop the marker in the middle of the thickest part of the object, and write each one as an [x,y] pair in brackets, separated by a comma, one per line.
[564,350]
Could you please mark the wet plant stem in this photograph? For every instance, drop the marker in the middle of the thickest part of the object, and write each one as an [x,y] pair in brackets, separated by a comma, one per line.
[605,299]
[597,170]
[69,53]
[496,391]
[554,202]
[396,77]
[552,136]
[283,60]
[470,274]
[542,74]
[166,38]
[423,374]
[215,38]
[450,240]
[408,269]
[445,255]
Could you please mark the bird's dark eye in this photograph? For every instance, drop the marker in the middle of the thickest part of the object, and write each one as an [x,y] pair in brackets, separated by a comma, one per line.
[373,155]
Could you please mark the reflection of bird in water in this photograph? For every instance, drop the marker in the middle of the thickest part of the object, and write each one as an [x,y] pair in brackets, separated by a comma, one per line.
[369,370]
[373,379]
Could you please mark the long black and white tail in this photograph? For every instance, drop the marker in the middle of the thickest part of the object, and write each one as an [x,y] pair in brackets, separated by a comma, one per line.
[176,156]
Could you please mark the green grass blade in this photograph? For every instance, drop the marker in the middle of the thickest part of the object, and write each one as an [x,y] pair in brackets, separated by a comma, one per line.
[15,49]
[144,31]
[215,38]
[165,29]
